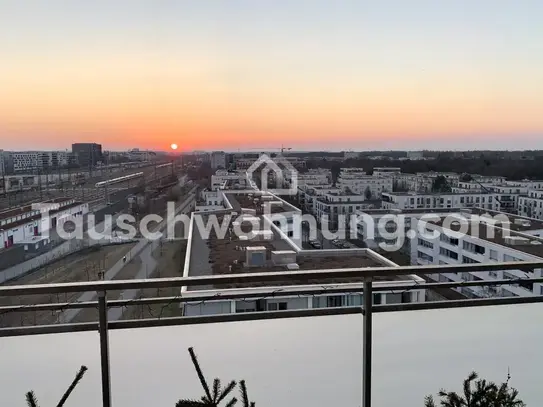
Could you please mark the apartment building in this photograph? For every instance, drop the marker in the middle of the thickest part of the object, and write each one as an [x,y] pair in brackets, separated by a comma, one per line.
[350,155]
[140,155]
[27,161]
[271,249]
[415,155]
[531,204]
[314,177]
[386,171]
[413,200]
[222,179]
[485,240]
[378,228]
[218,160]
[358,182]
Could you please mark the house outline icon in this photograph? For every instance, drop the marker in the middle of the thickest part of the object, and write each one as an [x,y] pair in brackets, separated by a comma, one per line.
[272,164]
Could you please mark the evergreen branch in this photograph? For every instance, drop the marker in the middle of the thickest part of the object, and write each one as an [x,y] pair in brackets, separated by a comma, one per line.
[226,391]
[31,399]
[200,374]
[232,402]
[75,382]
[243,391]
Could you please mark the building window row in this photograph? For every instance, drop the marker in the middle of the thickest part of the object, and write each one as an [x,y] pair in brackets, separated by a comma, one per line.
[448,253]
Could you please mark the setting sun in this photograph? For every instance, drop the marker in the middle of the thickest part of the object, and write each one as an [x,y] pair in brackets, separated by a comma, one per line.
[174,146]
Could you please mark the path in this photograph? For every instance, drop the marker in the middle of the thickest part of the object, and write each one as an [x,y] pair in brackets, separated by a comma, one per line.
[144,248]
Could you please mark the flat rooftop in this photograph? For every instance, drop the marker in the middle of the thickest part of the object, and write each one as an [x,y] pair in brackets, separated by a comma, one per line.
[20,210]
[254,201]
[483,232]
[528,225]
[28,209]
[228,256]
[415,194]
[409,211]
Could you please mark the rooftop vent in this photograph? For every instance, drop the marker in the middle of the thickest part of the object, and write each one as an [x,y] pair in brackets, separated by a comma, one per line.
[523,222]
[283,257]
[256,256]
[516,240]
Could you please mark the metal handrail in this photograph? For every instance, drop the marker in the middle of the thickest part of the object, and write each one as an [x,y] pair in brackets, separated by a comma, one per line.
[297,277]
[232,294]
[294,277]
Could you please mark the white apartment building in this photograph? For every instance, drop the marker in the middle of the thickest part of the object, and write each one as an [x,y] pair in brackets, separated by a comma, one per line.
[413,200]
[386,171]
[489,179]
[27,161]
[329,206]
[140,155]
[415,155]
[222,178]
[348,155]
[328,203]
[375,229]
[423,181]
[479,246]
[218,160]
[271,249]
[359,183]
[316,177]
[526,184]
[531,204]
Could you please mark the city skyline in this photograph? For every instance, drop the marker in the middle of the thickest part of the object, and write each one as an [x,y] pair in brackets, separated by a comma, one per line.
[239,75]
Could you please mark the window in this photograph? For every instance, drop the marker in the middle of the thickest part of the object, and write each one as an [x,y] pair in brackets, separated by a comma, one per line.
[334,301]
[448,253]
[508,258]
[425,243]
[377,299]
[450,240]
[468,260]
[493,255]
[474,248]
[424,256]
[277,306]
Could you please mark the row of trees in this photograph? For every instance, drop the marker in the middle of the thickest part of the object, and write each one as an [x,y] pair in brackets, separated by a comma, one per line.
[514,169]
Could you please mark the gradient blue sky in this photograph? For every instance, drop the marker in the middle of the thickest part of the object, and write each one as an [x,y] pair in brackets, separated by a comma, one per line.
[255,73]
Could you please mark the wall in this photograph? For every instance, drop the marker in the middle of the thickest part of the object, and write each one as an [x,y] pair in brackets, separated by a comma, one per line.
[11,256]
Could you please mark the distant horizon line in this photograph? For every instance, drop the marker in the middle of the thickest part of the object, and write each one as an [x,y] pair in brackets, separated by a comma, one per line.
[276,150]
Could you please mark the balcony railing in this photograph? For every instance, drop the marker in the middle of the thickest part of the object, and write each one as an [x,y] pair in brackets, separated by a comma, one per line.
[101,288]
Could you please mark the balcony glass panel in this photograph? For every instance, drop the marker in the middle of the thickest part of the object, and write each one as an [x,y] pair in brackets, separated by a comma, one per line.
[313,362]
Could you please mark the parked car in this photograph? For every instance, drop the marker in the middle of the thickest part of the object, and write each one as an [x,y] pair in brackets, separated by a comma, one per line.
[315,244]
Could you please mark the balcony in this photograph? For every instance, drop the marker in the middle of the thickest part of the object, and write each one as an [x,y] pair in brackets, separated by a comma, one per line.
[149,366]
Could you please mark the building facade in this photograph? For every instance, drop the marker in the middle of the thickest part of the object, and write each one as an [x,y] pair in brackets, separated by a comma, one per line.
[87,154]
[412,200]
[218,160]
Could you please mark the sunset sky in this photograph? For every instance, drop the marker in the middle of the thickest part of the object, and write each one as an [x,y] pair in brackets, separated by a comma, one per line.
[237,74]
